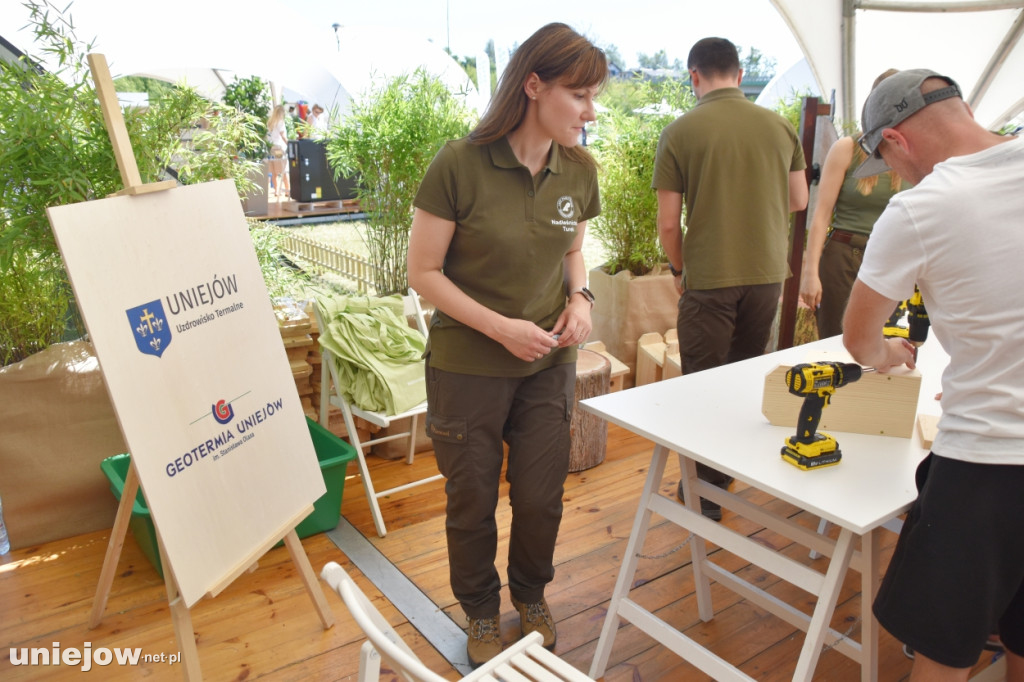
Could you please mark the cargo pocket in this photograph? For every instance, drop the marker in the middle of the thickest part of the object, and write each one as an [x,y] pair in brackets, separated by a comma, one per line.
[447,429]
[450,436]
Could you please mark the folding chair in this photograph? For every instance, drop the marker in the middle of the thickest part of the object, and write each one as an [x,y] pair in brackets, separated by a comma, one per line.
[524,661]
[328,397]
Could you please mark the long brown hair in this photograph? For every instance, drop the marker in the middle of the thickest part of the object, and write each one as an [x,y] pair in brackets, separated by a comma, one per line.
[867,185]
[556,53]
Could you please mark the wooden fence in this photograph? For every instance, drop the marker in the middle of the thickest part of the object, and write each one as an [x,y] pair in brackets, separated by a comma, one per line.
[323,260]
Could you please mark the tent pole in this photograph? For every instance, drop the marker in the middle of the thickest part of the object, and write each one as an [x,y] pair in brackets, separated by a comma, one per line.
[962,6]
[1013,37]
[849,54]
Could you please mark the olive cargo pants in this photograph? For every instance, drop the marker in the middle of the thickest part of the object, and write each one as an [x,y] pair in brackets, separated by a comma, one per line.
[469,419]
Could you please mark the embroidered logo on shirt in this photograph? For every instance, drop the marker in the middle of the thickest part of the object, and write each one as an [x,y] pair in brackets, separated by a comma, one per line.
[567,210]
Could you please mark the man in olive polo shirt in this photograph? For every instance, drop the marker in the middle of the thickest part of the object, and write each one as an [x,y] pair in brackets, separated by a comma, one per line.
[739,169]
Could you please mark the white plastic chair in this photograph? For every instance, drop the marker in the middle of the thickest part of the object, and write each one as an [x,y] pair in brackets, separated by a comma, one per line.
[328,397]
[524,661]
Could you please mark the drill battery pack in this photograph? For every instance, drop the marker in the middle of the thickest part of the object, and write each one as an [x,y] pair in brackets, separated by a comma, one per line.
[821,453]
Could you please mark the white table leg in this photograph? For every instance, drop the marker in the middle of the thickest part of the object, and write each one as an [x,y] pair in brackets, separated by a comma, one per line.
[825,607]
[641,523]
[698,546]
[869,550]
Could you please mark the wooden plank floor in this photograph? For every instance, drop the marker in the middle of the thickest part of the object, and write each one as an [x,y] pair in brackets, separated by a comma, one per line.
[264,627]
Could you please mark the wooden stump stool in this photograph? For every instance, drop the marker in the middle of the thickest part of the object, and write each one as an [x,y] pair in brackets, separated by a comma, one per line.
[589,433]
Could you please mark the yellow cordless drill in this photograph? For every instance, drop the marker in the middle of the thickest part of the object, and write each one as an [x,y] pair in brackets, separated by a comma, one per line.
[816,381]
[917,319]
[918,323]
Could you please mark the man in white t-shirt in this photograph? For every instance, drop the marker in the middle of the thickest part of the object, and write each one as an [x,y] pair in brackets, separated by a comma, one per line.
[957,574]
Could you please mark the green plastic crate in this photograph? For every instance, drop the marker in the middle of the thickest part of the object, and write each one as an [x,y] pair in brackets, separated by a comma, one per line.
[334,455]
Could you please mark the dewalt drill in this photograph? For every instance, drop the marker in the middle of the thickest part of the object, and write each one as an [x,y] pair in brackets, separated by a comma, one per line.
[816,382]
[916,331]
[917,319]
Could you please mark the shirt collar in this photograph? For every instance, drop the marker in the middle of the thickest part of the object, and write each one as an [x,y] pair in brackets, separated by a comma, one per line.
[722,93]
[502,156]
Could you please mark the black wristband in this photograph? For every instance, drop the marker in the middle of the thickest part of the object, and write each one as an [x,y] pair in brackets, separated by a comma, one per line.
[672,269]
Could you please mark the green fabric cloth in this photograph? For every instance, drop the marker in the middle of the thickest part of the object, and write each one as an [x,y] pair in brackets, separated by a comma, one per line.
[377,355]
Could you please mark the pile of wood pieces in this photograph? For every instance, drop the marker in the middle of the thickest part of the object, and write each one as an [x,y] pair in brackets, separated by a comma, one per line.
[295,326]
[657,357]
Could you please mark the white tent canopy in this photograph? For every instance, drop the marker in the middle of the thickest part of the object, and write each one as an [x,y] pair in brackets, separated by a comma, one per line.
[978,43]
[207,43]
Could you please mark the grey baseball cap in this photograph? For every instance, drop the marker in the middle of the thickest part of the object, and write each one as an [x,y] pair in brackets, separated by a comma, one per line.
[896,99]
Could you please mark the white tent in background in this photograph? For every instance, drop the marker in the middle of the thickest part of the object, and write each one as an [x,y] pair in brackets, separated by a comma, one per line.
[796,80]
[978,43]
[207,43]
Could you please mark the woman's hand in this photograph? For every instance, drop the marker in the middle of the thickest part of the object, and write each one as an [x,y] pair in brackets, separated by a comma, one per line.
[525,340]
[810,289]
[573,325]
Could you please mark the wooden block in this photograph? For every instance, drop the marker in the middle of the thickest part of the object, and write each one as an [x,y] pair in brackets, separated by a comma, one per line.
[673,365]
[619,369]
[876,404]
[304,389]
[650,355]
[300,368]
[297,341]
[927,428]
[292,320]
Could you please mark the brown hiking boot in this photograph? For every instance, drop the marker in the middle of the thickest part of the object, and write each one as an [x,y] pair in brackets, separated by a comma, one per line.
[484,642]
[537,617]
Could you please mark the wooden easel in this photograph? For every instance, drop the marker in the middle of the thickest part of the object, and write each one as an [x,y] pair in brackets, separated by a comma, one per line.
[180,614]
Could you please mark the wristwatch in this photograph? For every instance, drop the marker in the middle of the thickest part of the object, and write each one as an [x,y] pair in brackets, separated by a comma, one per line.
[586,294]
[672,269]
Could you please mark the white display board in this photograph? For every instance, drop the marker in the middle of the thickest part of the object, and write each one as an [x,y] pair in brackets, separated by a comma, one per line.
[176,307]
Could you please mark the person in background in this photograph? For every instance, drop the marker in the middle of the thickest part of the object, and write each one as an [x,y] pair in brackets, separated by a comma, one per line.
[277,137]
[958,567]
[846,209]
[496,247]
[739,169]
[317,122]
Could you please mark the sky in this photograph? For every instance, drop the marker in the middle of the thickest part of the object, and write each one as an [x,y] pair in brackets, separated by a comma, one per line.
[633,26]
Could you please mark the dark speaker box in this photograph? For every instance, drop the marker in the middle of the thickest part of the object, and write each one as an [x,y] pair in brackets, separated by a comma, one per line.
[312,178]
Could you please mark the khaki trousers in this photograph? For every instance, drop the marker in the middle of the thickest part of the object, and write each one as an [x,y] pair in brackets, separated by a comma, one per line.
[470,419]
[837,270]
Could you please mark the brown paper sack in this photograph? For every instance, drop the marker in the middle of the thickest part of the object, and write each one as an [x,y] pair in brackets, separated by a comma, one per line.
[58,424]
[627,307]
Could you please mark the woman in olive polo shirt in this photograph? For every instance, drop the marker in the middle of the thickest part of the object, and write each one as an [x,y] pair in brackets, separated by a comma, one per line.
[496,247]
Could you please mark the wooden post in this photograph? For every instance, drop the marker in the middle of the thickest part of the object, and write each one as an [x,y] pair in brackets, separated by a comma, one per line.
[812,109]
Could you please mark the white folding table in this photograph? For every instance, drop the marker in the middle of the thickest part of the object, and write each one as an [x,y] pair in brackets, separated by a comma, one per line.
[715,417]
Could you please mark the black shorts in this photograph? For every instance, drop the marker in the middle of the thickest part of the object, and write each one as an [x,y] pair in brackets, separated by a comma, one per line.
[957,573]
